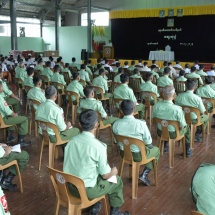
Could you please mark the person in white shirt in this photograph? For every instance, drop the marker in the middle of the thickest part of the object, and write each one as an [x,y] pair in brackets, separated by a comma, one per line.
[52,62]
[173,71]
[107,65]
[140,62]
[211,72]
[3,65]
[145,67]
[187,68]
[177,65]
[196,64]
[125,65]
[154,63]
[103,61]
[116,61]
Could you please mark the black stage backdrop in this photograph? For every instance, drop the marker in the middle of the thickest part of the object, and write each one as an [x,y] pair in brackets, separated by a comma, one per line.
[191,37]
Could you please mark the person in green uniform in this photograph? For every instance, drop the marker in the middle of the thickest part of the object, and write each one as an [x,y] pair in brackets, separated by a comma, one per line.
[131,127]
[74,64]
[165,64]
[188,98]
[117,67]
[36,93]
[84,75]
[132,67]
[11,118]
[7,156]
[59,64]
[207,92]
[29,80]
[153,71]
[88,70]
[66,69]
[125,92]
[21,73]
[201,70]
[49,111]
[39,66]
[47,71]
[117,77]
[203,189]
[165,80]
[99,66]
[9,96]
[194,75]
[57,77]
[167,110]
[76,86]
[91,103]
[181,76]
[149,87]
[94,169]
[137,75]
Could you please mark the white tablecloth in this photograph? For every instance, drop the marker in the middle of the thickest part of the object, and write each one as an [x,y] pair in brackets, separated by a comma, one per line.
[162,55]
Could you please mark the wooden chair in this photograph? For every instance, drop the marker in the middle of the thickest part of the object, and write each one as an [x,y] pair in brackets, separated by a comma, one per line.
[95,75]
[2,167]
[125,70]
[196,213]
[45,80]
[195,79]
[27,88]
[59,95]
[83,82]
[143,74]
[160,91]
[115,85]
[74,69]
[187,110]
[20,86]
[66,77]
[180,86]
[134,166]
[203,79]
[60,182]
[45,140]
[69,95]
[148,107]
[33,102]
[166,137]
[37,73]
[135,83]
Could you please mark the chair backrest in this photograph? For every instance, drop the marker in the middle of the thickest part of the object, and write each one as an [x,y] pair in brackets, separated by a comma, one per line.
[83,82]
[127,142]
[187,110]
[100,91]
[70,94]
[138,66]
[180,86]
[37,73]
[164,127]
[125,70]
[73,69]
[27,88]
[60,182]
[66,77]
[195,79]
[56,85]
[147,97]
[143,74]
[196,213]
[19,80]
[45,78]
[2,124]
[134,83]
[206,101]
[33,102]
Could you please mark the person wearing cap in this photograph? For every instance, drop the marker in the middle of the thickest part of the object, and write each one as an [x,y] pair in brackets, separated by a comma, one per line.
[86,157]
[39,66]
[49,111]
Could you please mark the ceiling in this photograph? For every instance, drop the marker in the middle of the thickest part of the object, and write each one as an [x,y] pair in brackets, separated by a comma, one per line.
[45,9]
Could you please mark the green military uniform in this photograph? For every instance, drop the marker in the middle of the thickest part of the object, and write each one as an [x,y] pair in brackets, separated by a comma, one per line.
[58,78]
[88,70]
[74,65]
[6,95]
[47,72]
[194,75]
[117,78]
[201,73]
[61,67]
[49,111]
[29,81]
[17,69]
[76,87]
[116,69]
[181,78]
[131,68]
[36,93]
[164,81]
[162,70]
[167,110]
[131,127]
[21,158]
[93,104]
[38,67]
[155,74]
[188,98]
[213,86]
[68,71]
[203,189]
[84,75]
[97,73]
[125,92]
[207,92]
[138,76]
[21,121]
[91,168]
[21,73]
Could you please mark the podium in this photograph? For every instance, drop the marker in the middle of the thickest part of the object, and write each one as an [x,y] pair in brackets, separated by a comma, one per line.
[108,52]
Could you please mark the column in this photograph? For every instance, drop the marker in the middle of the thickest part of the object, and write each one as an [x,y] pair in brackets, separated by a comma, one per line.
[57,23]
[89,33]
[14,44]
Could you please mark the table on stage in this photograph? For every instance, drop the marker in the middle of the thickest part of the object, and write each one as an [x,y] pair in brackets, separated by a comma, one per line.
[162,55]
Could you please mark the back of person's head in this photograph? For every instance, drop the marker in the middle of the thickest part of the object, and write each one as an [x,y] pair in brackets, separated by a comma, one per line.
[126,63]
[169,63]
[88,91]
[177,62]
[56,68]
[40,61]
[132,62]
[153,61]
[181,73]
[104,58]
[89,61]
[136,71]
[106,61]
[168,91]
[2,59]
[116,59]
[120,70]
[85,62]
[212,67]
[30,71]
[191,84]
[66,65]
[140,60]
[165,63]
[83,66]
[166,70]
[201,67]
[193,69]
[21,63]
[149,75]
[50,91]
[153,67]
[58,60]
[117,64]
[187,65]
[127,107]
[196,62]
[88,120]
[124,78]
[209,79]
[99,60]
[36,80]
[73,59]
[48,63]
[145,63]
[75,75]
[99,66]
[101,71]
[51,58]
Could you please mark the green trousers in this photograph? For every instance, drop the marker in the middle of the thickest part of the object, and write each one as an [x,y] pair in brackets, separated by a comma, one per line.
[185,131]
[205,119]
[13,102]
[65,135]
[20,121]
[21,158]
[103,187]
[110,120]
[141,110]
[150,152]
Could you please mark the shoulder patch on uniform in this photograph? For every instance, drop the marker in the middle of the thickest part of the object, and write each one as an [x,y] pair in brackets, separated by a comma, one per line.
[5,104]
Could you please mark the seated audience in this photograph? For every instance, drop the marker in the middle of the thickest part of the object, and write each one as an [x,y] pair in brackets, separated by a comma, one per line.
[153,71]
[145,67]
[29,80]
[39,65]
[66,70]
[194,75]
[181,76]
[126,65]
[137,75]
[177,65]
[196,64]
[165,80]
[201,71]
[187,68]
[47,71]
[165,64]
[107,65]
[132,67]
[84,75]
[211,72]
[117,77]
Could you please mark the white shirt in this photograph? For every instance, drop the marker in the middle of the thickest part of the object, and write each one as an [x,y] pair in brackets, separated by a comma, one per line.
[178,66]
[4,67]
[125,66]
[115,62]
[211,73]
[187,70]
[111,69]
[197,66]
[145,68]
[139,64]
[52,64]
[175,75]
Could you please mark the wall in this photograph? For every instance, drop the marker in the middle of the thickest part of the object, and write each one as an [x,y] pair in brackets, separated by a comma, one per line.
[24,43]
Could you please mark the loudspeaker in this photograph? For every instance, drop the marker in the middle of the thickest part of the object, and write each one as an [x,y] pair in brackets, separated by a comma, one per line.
[83,54]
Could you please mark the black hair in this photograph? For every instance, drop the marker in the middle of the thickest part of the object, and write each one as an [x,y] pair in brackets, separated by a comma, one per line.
[73,59]
[166,70]
[165,63]
[145,63]
[148,76]
[83,66]
[56,67]
[181,73]
[193,69]
[170,63]
[48,63]
[132,62]
[140,60]
[209,79]
[99,66]
[120,70]
[50,91]
[58,60]
[177,62]
[153,61]
[88,90]
[106,61]
[124,78]
[30,71]
[126,63]
[201,66]
[101,71]
[88,119]
[127,107]
[187,65]
[75,75]
[117,64]
[66,65]
[40,61]
[89,61]
[36,80]
[153,67]
[136,71]
[191,84]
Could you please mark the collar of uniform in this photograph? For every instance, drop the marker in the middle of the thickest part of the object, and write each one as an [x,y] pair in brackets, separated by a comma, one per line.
[128,117]
[87,133]
[49,100]
[189,91]
[207,86]
[149,82]
[38,88]
[90,99]
[124,85]
[168,101]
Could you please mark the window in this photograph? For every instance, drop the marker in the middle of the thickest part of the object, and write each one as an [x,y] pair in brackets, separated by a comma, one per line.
[98,19]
